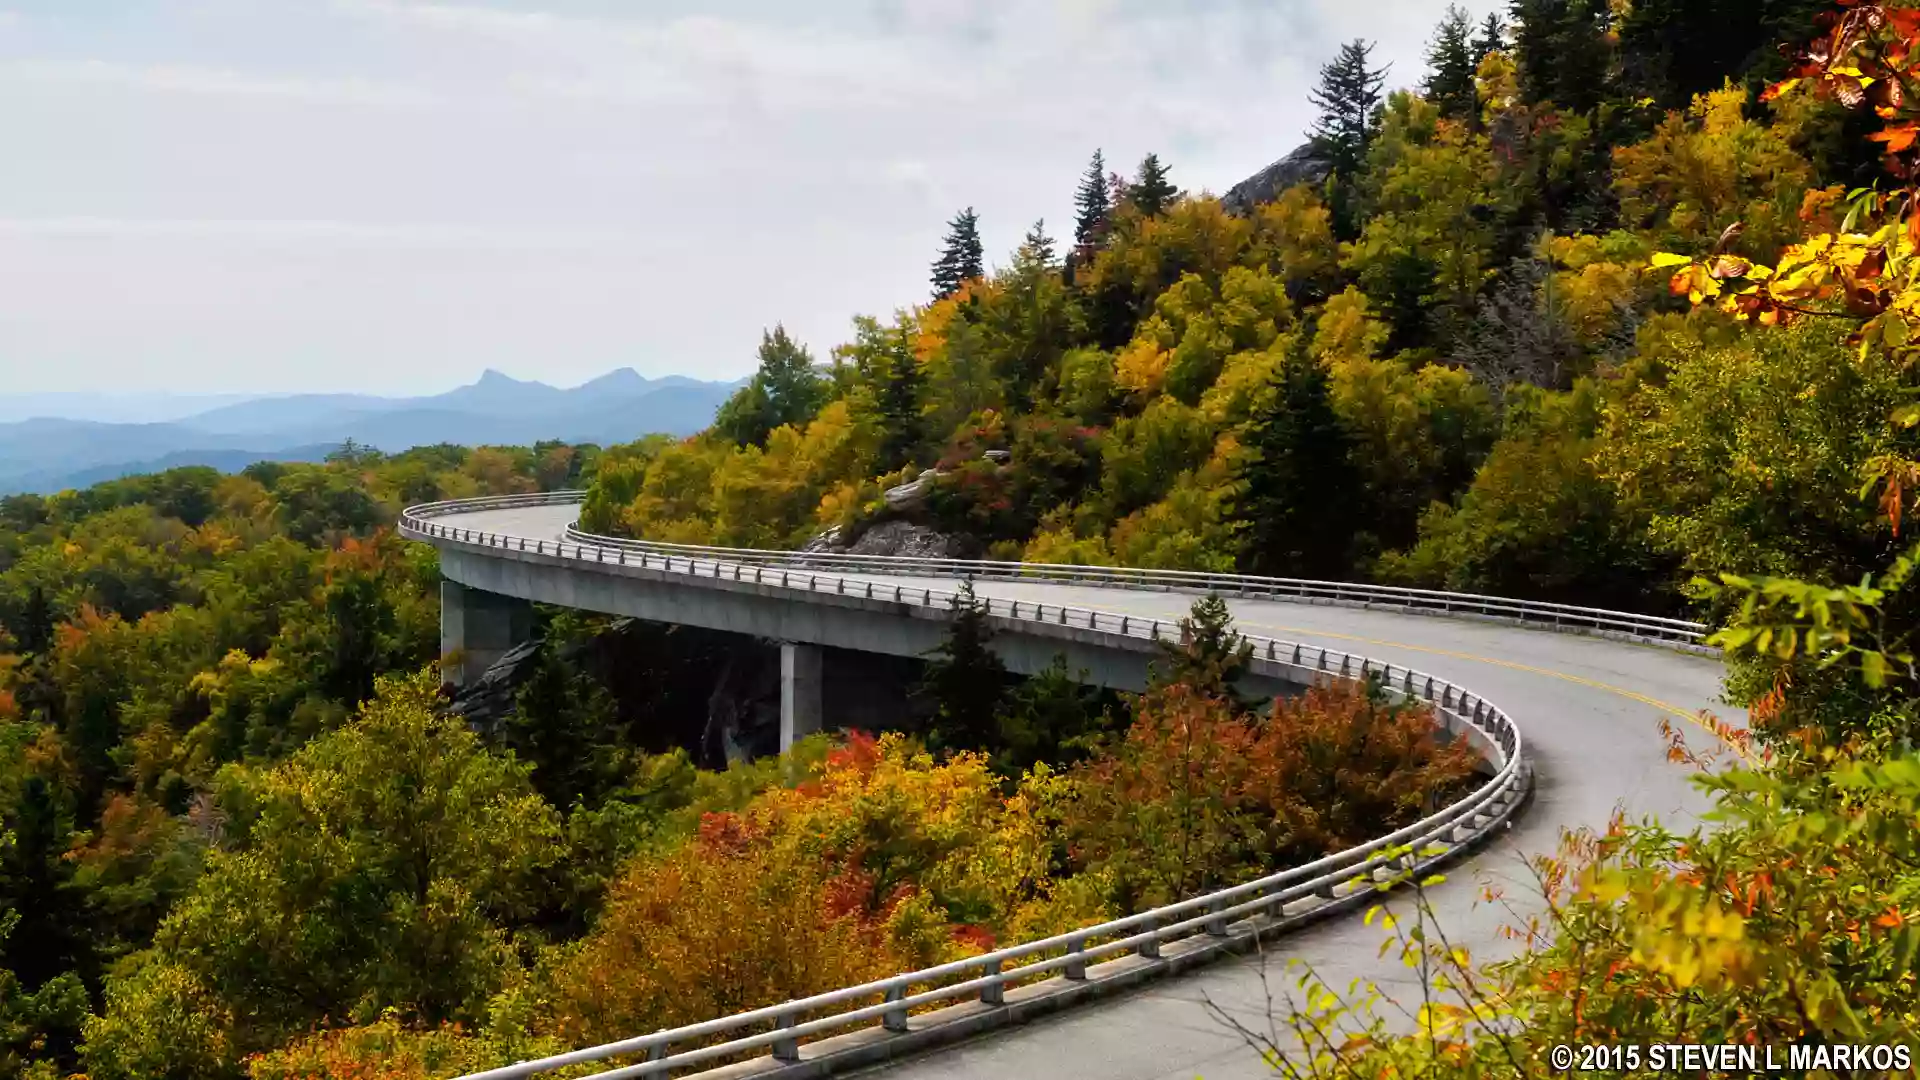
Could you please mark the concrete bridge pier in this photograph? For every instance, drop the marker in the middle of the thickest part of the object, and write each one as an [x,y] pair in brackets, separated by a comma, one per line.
[479,628]
[801,713]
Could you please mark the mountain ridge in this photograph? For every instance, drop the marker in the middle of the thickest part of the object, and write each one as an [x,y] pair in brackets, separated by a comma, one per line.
[44,454]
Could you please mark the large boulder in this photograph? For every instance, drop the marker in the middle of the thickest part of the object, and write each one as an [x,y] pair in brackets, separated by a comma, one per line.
[913,495]
[1303,166]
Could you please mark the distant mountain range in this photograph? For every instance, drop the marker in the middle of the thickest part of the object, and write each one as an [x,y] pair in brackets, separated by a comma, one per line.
[45,454]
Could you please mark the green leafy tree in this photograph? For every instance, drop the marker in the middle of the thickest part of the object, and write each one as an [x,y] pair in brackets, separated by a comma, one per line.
[1151,192]
[319,505]
[40,1026]
[1451,66]
[1300,483]
[1052,717]
[785,390]
[382,867]
[962,258]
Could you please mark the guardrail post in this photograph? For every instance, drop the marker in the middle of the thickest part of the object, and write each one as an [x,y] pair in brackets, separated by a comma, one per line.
[1123,624]
[786,1050]
[1150,948]
[1076,970]
[994,993]
[1216,927]
[658,1053]
[895,1020]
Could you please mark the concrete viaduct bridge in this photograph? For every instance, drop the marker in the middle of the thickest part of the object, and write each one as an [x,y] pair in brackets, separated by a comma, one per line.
[1574,738]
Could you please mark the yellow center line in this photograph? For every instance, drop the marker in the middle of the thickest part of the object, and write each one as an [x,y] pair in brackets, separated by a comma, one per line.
[1690,717]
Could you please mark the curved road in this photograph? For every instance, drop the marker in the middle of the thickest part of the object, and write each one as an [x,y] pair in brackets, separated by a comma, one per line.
[1589,709]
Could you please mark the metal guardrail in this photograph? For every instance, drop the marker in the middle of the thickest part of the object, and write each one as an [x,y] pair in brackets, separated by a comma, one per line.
[1247,909]
[1567,617]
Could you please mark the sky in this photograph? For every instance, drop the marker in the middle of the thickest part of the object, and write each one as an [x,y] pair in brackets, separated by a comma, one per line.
[389,196]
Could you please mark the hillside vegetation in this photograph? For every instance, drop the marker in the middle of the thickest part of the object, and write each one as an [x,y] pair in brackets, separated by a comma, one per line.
[1585,316]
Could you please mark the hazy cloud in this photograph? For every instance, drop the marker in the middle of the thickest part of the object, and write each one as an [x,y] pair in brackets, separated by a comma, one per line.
[391,195]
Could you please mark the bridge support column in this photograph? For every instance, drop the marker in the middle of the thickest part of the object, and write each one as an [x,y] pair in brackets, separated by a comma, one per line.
[800,693]
[480,627]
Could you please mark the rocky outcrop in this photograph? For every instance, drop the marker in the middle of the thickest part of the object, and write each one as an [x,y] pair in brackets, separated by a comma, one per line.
[490,698]
[911,496]
[906,540]
[1303,166]
[898,538]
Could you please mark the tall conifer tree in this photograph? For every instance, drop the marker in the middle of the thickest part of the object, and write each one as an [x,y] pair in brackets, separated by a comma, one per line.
[1090,205]
[1349,101]
[1491,38]
[1301,480]
[1151,192]
[1451,66]
[900,418]
[962,258]
[1563,52]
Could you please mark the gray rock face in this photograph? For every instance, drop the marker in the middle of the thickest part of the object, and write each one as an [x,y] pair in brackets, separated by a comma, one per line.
[897,538]
[904,539]
[911,496]
[1303,166]
[826,543]
[489,699]
[743,712]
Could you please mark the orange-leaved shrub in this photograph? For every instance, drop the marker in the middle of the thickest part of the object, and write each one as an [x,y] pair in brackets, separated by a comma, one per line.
[889,860]
[1199,796]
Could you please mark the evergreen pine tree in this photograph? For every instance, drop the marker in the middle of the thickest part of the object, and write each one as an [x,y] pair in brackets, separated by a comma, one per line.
[1037,248]
[1210,655]
[900,407]
[1450,80]
[962,258]
[966,682]
[1301,481]
[1151,192]
[1563,52]
[1091,207]
[565,724]
[35,633]
[1491,39]
[1349,101]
